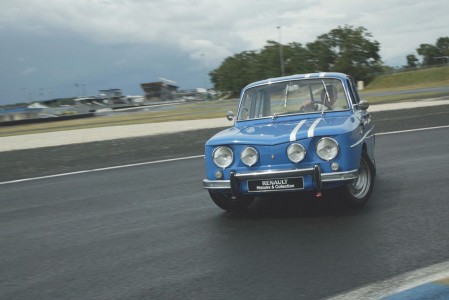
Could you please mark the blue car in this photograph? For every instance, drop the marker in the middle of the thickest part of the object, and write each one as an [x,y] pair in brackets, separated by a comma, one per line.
[292,134]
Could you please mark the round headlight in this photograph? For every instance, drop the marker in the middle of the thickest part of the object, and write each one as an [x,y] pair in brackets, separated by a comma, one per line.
[327,148]
[223,156]
[296,153]
[249,156]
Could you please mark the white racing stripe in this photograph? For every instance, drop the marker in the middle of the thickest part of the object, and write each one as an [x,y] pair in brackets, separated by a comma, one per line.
[184,158]
[311,132]
[295,131]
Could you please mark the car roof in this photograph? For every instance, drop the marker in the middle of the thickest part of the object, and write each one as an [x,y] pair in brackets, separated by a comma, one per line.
[298,77]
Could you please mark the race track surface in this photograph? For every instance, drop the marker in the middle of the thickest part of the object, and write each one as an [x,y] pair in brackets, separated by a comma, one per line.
[151,231]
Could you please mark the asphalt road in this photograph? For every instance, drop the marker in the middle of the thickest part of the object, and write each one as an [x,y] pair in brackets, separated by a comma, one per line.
[442,89]
[151,232]
[20,164]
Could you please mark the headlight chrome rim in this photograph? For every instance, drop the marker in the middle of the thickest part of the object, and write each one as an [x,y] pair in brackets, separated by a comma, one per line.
[223,156]
[327,148]
[300,152]
[249,156]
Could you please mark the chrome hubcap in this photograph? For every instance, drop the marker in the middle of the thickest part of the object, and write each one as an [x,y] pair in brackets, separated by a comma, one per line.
[360,186]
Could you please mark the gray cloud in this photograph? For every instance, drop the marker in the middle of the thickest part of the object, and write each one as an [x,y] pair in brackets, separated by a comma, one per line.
[52,44]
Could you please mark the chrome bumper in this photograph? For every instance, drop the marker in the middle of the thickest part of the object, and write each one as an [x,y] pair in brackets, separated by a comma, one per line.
[315,172]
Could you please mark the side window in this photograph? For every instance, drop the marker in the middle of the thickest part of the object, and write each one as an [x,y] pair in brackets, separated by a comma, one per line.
[353,91]
[259,105]
[253,105]
[244,107]
[258,112]
[341,101]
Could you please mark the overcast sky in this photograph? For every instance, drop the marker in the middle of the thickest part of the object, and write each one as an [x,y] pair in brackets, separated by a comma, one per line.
[62,48]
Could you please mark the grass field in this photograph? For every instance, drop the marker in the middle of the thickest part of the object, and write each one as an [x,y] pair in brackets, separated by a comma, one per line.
[424,78]
[435,77]
[410,80]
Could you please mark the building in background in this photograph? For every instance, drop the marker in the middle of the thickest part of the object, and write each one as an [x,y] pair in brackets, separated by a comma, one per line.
[110,93]
[21,113]
[111,96]
[160,90]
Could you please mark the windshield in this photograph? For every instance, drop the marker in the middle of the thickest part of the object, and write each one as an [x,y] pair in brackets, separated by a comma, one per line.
[293,97]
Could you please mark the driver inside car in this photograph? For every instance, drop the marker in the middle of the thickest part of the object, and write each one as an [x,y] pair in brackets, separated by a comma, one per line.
[329,96]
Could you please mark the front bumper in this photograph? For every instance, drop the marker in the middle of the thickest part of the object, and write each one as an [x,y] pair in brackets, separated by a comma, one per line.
[233,184]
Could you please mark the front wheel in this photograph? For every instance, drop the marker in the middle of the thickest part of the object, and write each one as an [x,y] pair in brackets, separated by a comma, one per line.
[229,203]
[359,191]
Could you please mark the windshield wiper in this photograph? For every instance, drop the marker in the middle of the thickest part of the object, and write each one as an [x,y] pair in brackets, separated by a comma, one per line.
[287,89]
[284,101]
[327,97]
[327,93]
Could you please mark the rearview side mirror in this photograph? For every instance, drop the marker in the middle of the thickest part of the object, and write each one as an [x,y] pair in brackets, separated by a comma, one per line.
[230,116]
[363,105]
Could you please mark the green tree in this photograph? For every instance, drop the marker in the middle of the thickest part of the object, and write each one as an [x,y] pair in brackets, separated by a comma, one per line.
[267,62]
[429,52]
[412,61]
[321,56]
[345,49]
[435,54]
[234,72]
[352,52]
[443,45]
[298,59]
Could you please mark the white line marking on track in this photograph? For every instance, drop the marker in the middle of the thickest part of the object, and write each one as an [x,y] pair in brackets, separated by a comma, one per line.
[412,130]
[175,159]
[402,282]
[103,169]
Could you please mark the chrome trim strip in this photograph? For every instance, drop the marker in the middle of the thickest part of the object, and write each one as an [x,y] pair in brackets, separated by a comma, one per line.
[311,132]
[216,184]
[363,138]
[339,176]
[295,131]
[325,177]
[271,174]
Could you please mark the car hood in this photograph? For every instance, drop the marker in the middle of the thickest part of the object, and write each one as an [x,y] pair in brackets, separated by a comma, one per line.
[276,131]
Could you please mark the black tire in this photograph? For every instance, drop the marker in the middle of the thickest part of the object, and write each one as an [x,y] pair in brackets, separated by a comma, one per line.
[229,203]
[358,192]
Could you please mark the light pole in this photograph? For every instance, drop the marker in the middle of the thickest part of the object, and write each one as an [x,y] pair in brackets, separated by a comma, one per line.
[77,90]
[281,52]
[41,94]
[25,93]
[50,94]
[203,61]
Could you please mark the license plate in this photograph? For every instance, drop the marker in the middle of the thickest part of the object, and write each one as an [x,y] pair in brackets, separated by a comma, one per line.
[276,184]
